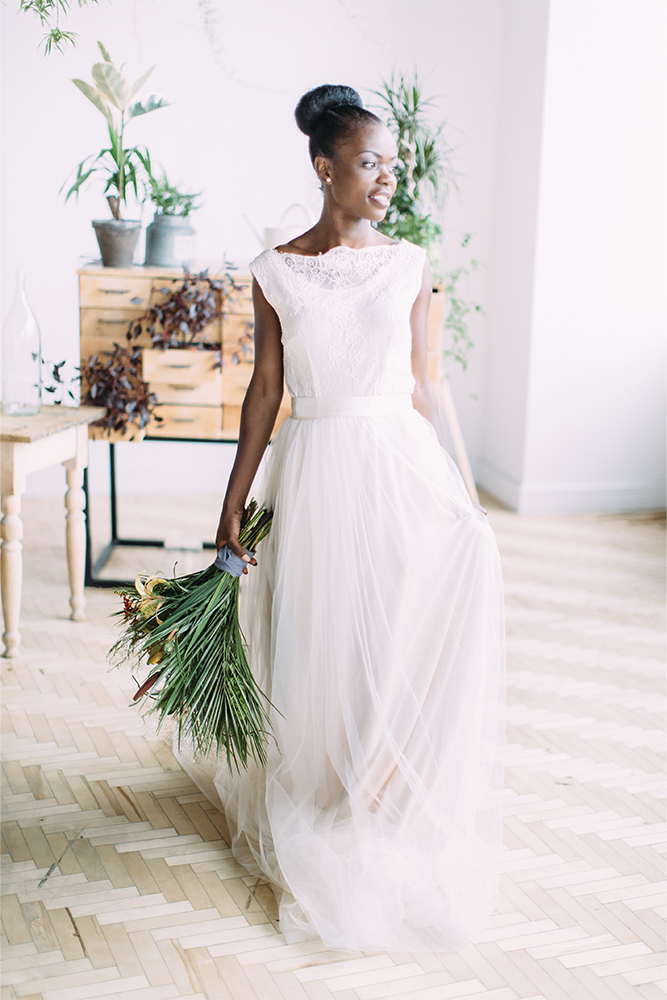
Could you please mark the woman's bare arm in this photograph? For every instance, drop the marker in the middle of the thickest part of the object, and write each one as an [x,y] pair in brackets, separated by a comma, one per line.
[258,416]
[423,397]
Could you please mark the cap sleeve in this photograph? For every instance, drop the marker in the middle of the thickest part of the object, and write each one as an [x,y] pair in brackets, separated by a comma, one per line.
[261,269]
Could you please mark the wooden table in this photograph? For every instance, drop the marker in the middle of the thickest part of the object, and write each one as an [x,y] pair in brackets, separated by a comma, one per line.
[59,434]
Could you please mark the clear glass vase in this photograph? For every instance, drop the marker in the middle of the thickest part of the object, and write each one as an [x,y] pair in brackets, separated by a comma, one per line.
[21,357]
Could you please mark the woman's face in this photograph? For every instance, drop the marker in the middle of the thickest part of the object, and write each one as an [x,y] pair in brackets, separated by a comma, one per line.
[361,178]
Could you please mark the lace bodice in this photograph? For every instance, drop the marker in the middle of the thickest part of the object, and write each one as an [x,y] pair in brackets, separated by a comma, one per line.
[345,317]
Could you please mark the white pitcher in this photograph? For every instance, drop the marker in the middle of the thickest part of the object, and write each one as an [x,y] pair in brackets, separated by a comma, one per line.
[275,236]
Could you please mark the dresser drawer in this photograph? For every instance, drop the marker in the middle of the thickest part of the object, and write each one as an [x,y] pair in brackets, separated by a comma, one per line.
[203,394]
[436,320]
[109,291]
[238,346]
[231,417]
[187,367]
[240,301]
[234,388]
[110,324]
[188,422]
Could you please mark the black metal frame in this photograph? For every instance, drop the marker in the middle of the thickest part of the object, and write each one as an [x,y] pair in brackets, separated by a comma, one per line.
[93,568]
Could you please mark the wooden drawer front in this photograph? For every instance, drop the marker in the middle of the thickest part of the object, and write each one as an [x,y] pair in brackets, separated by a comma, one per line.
[109,291]
[181,367]
[231,420]
[240,302]
[188,422]
[111,324]
[238,346]
[234,388]
[436,319]
[99,346]
[204,394]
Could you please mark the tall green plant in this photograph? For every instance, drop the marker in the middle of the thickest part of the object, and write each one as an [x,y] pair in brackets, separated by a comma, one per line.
[48,10]
[425,173]
[118,164]
[459,308]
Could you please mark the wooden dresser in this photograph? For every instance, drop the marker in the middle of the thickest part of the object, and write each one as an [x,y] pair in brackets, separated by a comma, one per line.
[198,399]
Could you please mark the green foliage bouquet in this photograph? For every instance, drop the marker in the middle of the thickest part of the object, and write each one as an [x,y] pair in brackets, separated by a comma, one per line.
[186,630]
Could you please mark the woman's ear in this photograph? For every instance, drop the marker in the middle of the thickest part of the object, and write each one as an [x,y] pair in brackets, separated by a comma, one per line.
[323,169]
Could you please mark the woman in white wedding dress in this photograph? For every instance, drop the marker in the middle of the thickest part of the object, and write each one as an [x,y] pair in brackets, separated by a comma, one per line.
[374,617]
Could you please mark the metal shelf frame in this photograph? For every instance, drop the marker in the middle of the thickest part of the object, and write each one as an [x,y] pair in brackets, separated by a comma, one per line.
[94,567]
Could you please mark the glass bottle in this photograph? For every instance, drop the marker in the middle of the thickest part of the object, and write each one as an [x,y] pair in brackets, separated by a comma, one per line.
[21,357]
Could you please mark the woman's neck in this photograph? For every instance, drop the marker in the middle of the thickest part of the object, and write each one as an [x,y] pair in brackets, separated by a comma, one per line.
[333,231]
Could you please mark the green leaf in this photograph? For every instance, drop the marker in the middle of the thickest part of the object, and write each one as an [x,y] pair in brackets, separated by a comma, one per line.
[96,98]
[140,81]
[113,84]
[81,178]
[151,103]
[58,39]
[105,53]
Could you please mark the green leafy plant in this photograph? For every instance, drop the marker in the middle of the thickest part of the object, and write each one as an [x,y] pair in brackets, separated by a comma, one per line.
[425,177]
[425,173]
[56,37]
[169,199]
[119,165]
[460,308]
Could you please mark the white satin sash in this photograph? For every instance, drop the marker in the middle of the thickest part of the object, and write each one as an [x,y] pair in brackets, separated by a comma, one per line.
[309,407]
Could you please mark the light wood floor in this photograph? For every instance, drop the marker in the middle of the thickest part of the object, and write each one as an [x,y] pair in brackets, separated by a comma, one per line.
[118,881]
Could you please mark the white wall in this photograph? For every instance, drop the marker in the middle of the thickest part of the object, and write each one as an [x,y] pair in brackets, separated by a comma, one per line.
[554,108]
[230,131]
[511,274]
[575,401]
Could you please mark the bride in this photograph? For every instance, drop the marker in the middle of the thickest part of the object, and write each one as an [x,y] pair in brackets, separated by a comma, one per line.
[374,617]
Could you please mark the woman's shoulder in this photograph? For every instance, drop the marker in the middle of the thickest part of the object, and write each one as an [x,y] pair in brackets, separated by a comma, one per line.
[261,264]
[413,248]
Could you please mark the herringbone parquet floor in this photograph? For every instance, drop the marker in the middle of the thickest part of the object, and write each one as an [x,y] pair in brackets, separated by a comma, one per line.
[118,882]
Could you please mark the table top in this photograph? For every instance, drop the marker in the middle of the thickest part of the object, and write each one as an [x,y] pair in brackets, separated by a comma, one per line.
[50,420]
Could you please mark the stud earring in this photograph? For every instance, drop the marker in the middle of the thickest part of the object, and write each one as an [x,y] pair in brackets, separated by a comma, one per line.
[328,180]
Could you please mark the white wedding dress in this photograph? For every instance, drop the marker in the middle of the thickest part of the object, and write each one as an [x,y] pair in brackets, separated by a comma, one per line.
[375,626]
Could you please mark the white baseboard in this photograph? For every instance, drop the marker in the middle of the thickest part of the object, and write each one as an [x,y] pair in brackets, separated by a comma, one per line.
[571,498]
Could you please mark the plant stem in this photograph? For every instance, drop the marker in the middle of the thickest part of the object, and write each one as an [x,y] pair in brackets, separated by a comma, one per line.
[121,163]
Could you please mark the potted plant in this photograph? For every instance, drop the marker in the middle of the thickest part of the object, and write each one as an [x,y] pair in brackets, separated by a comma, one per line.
[425,176]
[170,237]
[115,381]
[425,173]
[117,237]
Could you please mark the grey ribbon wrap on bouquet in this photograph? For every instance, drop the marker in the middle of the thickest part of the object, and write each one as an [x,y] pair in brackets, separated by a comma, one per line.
[230,563]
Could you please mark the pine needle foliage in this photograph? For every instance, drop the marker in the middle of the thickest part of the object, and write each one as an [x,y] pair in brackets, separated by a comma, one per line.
[186,630]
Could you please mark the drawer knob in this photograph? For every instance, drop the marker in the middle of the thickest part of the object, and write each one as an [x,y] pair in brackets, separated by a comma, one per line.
[183,387]
[184,420]
[177,366]
[115,291]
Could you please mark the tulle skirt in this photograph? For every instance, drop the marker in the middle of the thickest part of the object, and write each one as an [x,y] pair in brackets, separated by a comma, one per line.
[375,626]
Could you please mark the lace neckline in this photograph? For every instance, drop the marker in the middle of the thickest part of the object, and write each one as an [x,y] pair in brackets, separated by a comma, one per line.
[333,250]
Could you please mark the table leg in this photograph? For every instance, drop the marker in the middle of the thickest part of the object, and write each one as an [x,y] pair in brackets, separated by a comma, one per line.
[76,537]
[11,571]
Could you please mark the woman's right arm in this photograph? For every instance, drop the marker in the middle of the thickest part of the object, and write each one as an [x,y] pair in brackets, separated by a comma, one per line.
[258,416]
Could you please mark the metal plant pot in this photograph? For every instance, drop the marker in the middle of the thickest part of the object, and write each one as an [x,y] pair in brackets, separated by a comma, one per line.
[170,241]
[117,240]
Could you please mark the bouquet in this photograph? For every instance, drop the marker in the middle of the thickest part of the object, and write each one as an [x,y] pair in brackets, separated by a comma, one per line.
[186,630]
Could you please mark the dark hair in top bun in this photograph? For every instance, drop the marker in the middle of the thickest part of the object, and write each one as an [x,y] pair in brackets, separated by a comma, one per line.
[328,114]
